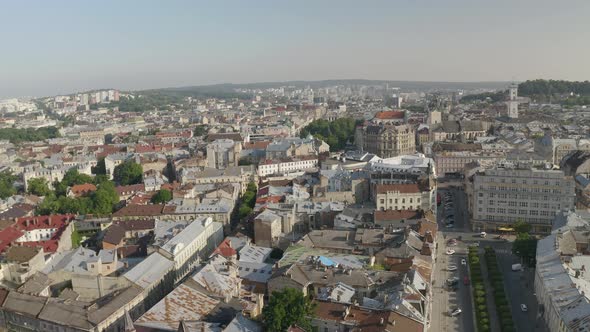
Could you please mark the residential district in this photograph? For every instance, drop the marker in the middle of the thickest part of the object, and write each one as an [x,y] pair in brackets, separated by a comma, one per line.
[350,207]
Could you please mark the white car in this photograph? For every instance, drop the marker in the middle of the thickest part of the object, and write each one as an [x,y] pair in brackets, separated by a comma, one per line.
[524,308]
[463,262]
[450,251]
[452,268]
[456,312]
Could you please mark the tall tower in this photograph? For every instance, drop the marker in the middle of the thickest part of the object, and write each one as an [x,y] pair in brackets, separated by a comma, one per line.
[512,103]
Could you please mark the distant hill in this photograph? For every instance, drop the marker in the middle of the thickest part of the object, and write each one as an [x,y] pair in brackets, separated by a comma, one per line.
[405,85]
[555,91]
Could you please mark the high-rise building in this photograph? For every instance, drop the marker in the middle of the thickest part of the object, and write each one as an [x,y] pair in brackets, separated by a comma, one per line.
[504,195]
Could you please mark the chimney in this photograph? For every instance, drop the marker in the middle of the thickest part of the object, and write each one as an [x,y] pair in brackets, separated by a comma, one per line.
[381,321]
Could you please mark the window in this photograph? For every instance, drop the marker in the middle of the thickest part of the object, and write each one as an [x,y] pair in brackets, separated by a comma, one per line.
[522,212]
[524,204]
[491,203]
[512,211]
[534,212]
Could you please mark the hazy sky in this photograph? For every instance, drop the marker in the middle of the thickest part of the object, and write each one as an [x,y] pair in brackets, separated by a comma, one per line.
[50,47]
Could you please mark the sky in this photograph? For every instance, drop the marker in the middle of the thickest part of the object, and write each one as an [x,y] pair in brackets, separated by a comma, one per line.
[58,47]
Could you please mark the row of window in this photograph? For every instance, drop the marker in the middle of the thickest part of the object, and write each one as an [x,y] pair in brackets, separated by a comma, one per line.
[519,212]
[391,201]
[523,181]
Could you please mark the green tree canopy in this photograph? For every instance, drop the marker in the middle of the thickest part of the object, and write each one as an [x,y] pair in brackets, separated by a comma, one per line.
[521,226]
[335,133]
[286,308]
[128,172]
[15,135]
[200,130]
[162,196]
[100,168]
[7,180]
[38,186]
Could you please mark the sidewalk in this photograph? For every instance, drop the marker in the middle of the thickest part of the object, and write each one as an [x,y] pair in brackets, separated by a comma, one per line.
[494,323]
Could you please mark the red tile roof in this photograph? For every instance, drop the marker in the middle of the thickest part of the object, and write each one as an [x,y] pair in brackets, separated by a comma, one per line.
[224,249]
[82,189]
[390,115]
[26,224]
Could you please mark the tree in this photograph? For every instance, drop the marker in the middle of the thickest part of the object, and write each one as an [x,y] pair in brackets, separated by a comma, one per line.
[100,167]
[335,133]
[105,198]
[521,226]
[162,196]
[286,308]
[200,130]
[73,177]
[7,180]
[244,211]
[38,186]
[525,247]
[128,172]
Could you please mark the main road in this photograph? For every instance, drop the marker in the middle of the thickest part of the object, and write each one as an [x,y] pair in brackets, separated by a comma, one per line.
[519,285]
[445,299]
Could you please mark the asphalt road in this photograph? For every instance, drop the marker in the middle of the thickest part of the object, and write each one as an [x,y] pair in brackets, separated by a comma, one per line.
[519,285]
[519,288]
[444,299]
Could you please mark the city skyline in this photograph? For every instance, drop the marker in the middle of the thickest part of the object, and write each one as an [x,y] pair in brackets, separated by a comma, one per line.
[62,47]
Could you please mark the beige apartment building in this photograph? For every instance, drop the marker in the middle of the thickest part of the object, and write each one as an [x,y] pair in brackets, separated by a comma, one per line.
[403,196]
[503,195]
[386,140]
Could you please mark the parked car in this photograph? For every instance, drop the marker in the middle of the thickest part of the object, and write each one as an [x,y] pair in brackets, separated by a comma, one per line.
[456,312]
[452,281]
[463,261]
[450,251]
[452,268]
[483,234]
[524,308]
[466,280]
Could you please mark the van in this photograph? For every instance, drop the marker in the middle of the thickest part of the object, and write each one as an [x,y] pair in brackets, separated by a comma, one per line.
[516,267]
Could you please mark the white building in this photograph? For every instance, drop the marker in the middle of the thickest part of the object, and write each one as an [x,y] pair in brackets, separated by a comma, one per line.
[271,167]
[188,245]
[503,195]
[414,163]
[512,103]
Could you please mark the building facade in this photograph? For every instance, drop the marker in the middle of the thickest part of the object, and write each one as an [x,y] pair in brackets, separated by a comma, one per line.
[386,140]
[501,196]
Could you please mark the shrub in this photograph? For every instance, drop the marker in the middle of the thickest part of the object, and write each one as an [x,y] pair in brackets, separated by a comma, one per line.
[484,328]
[480,293]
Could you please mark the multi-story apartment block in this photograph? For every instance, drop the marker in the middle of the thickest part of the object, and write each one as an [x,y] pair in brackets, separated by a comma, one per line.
[404,196]
[504,195]
[386,140]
